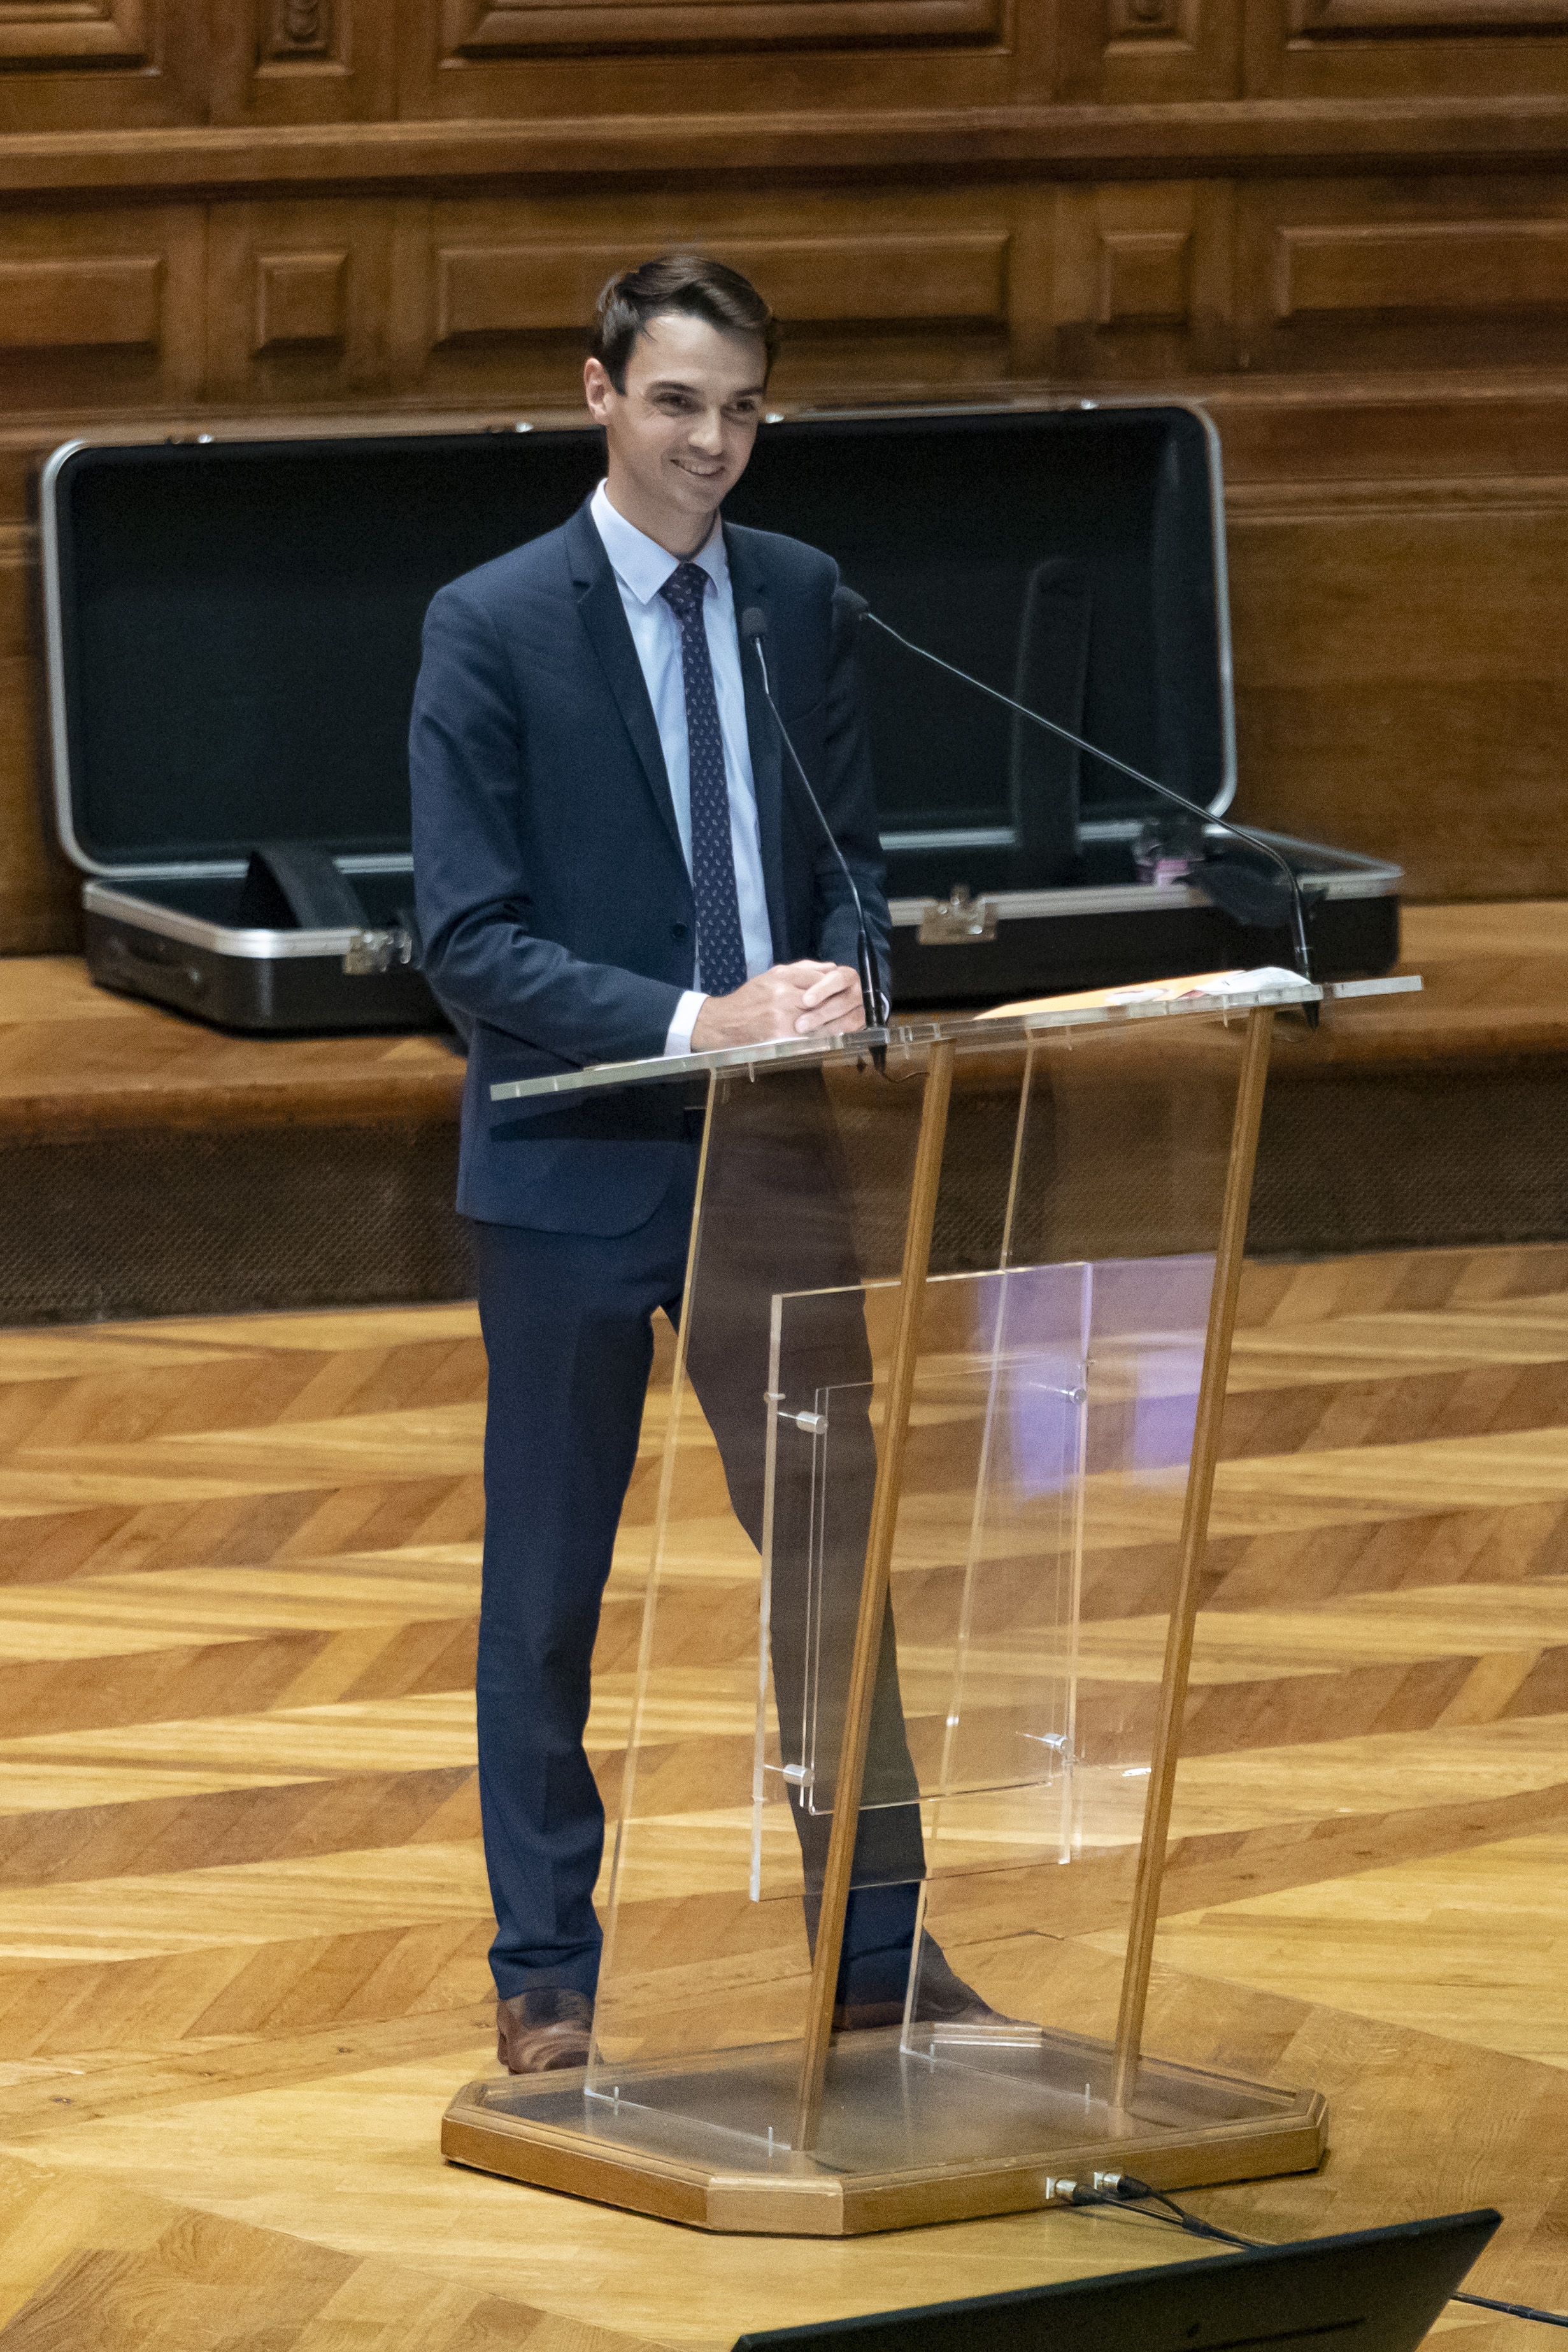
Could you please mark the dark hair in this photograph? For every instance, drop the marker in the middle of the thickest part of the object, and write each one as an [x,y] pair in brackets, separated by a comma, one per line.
[692,282]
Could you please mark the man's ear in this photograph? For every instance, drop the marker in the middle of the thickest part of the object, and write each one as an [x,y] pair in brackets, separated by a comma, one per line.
[597,389]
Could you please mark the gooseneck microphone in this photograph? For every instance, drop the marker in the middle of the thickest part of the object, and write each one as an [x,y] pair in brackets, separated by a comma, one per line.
[753,629]
[1299,953]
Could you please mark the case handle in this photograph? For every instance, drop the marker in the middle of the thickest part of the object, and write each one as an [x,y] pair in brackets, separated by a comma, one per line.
[293,885]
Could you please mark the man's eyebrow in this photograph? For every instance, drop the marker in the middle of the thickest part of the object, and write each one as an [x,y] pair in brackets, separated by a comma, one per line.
[679,384]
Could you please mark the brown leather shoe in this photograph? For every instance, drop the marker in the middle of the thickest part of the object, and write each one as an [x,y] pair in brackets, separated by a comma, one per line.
[943,2000]
[539,2032]
[946,2000]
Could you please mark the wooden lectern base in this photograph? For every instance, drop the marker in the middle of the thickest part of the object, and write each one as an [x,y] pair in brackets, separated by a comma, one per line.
[966,2125]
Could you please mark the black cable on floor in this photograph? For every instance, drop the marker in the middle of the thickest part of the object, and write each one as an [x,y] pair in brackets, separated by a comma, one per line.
[1120,2191]
[1515,2310]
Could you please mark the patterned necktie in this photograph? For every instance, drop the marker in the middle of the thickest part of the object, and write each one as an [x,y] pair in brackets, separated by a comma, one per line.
[720,949]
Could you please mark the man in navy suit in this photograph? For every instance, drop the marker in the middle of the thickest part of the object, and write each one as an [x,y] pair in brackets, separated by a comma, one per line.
[609,867]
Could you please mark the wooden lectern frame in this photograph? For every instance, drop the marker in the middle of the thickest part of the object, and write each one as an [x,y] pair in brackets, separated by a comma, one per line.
[925,2123]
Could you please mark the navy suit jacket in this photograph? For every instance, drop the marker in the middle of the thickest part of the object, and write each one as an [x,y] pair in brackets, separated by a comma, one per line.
[554,903]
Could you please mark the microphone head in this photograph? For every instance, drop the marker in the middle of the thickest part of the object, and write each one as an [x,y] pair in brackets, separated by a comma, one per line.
[854,602]
[753,624]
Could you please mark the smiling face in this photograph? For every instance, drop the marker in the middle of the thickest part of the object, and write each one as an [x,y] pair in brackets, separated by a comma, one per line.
[680,434]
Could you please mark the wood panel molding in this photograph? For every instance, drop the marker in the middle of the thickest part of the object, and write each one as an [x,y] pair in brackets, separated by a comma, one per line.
[102,300]
[298,61]
[1321,19]
[282,216]
[478,31]
[300,297]
[1034,142]
[1538,497]
[1145,21]
[489,289]
[1144,277]
[297,31]
[1475,265]
[46,35]
[1367,135]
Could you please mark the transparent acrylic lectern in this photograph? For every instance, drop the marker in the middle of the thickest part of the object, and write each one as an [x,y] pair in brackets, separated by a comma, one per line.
[920,1580]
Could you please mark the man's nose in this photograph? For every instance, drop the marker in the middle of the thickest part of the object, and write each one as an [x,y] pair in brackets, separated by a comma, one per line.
[708,432]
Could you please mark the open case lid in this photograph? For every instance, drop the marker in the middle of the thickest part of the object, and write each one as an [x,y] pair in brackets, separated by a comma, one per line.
[233,625]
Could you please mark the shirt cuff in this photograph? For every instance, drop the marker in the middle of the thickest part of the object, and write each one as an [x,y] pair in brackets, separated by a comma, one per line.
[679,1040]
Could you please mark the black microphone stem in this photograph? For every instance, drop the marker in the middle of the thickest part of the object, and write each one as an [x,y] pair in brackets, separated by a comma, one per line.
[865,963]
[1300,955]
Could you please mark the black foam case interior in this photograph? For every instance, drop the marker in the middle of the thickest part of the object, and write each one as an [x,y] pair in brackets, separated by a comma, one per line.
[241,622]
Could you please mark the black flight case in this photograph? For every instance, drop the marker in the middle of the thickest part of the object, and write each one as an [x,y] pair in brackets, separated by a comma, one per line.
[232,629]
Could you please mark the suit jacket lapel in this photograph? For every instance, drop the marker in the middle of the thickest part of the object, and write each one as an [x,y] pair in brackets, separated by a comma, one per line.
[748,580]
[605,618]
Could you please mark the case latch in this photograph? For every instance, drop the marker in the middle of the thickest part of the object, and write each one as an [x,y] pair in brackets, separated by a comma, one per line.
[959,921]
[377,951]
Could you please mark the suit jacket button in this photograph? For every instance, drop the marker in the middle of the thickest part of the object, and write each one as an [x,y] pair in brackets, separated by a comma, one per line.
[677,930]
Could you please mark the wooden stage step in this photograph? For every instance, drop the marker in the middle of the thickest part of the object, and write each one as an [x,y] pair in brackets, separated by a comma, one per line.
[151,1166]
[1433,1120]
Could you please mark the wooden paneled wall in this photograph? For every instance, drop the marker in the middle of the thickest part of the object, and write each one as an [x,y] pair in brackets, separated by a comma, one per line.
[1342,223]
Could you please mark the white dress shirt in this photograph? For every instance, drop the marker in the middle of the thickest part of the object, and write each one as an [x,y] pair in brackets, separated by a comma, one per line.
[641,568]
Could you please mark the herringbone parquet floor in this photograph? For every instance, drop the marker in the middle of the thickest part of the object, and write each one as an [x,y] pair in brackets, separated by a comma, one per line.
[243,1914]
